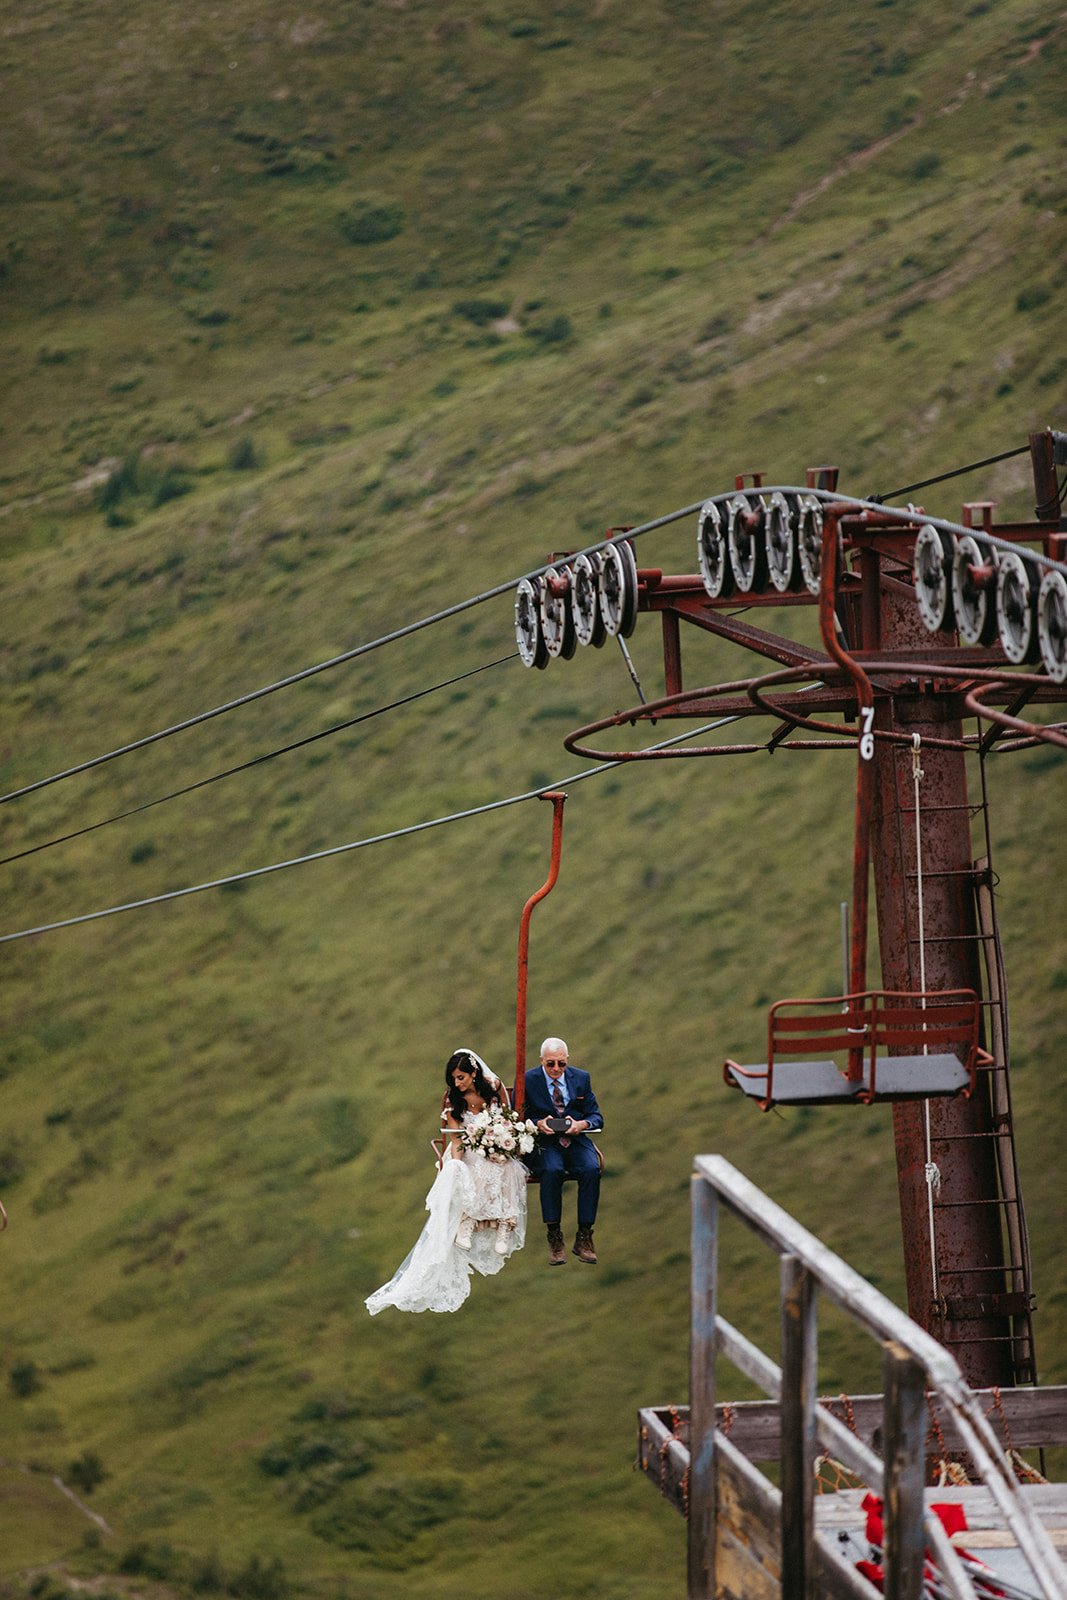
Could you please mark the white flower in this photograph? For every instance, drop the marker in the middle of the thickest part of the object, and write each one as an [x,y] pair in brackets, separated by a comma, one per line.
[506,1139]
[531,1127]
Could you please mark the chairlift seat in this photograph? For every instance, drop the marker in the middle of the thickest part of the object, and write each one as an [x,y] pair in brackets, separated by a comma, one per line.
[438,1145]
[929,1045]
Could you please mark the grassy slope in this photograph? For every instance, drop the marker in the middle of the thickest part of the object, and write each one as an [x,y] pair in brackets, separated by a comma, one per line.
[213,1113]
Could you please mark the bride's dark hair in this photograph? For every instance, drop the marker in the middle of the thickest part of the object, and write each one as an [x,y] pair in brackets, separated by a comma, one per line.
[488,1088]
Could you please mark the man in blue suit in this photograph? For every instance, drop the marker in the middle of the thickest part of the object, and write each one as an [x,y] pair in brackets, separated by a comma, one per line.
[555,1090]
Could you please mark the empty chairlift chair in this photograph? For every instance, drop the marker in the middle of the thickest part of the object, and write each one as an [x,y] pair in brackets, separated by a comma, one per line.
[857,1048]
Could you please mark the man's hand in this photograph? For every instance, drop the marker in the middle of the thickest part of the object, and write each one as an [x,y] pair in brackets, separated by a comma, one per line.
[543,1127]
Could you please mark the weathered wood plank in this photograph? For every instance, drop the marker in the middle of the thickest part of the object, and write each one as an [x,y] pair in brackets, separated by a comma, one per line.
[747,1543]
[1047,1500]
[1027,1419]
[703,1344]
[797,1410]
[663,1458]
[747,1530]
[748,1561]
[905,1421]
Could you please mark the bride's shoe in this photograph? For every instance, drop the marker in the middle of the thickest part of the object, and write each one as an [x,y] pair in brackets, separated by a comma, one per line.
[502,1239]
[463,1233]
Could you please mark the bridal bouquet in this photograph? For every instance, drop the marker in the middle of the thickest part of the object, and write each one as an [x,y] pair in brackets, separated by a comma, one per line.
[499,1133]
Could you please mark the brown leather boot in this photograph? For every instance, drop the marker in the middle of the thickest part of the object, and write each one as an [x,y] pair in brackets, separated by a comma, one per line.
[557,1254]
[583,1246]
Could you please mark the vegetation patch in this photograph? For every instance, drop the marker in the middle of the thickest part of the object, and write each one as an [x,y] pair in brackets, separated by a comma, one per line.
[370,222]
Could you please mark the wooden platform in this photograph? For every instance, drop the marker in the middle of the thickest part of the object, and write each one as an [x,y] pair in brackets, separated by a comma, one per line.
[748,1521]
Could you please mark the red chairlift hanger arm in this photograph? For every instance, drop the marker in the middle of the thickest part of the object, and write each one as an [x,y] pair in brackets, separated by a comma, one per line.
[557,798]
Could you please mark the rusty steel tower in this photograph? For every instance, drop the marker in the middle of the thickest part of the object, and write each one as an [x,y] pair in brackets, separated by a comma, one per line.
[935,636]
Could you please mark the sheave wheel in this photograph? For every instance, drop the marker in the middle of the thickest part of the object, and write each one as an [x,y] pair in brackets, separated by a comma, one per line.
[557,619]
[533,652]
[618,589]
[931,571]
[713,553]
[809,542]
[1017,586]
[748,550]
[974,605]
[585,600]
[1052,624]
[780,539]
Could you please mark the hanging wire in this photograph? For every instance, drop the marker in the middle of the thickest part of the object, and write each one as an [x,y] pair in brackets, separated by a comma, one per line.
[256,761]
[1051,507]
[631,669]
[334,661]
[355,844]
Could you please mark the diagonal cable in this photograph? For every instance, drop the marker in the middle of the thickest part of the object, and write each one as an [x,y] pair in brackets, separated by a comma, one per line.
[332,661]
[943,477]
[345,849]
[256,761]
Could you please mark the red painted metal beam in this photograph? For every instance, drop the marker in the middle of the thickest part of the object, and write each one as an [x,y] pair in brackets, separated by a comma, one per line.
[558,799]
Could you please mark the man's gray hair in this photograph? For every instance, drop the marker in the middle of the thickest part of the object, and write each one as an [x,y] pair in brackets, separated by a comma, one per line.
[555,1045]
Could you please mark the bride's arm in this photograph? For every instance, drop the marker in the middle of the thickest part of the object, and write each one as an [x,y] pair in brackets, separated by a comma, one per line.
[451,1129]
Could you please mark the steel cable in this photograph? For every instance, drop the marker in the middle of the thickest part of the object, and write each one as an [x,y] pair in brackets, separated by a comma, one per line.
[875,501]
[957,472]
[333,661]
[256,761]
[341,849]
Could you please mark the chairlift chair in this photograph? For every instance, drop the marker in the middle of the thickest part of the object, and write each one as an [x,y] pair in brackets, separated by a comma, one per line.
[896,1046]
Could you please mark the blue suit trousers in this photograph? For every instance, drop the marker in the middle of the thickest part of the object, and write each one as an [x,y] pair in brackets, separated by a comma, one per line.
[579,1160]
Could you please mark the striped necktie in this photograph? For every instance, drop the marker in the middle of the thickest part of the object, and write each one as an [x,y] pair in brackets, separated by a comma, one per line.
[558,1102]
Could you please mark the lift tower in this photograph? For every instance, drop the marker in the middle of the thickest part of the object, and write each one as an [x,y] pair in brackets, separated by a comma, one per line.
[934,637]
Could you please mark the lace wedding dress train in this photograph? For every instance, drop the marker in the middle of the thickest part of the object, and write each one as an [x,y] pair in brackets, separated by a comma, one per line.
[477,1219]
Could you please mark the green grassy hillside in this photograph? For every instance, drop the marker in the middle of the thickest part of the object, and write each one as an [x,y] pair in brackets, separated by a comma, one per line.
[316,324]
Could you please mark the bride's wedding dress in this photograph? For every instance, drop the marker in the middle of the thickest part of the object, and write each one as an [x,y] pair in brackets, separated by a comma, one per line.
[477,1219]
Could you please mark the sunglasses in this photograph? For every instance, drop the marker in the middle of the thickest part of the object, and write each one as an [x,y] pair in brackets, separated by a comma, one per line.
[549,1061]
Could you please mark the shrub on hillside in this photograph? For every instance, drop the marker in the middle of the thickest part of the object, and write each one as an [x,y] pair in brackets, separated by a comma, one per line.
[25,1379]
[260,1580]
[480,312]
[11,1167]
[1030,298]
[86,1472]
[149,1561]
[314,1465]
[243,456]
[142,476]
[368,223]
[556,330]
[384,1518]
[925,165]
[207,1575]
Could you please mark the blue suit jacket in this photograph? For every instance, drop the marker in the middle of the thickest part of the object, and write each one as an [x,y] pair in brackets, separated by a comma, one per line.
[581,1106]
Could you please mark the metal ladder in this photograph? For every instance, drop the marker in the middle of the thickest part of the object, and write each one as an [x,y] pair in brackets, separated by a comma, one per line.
[1016,1300]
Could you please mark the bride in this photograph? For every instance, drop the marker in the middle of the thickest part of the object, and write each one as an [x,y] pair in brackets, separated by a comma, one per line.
[477,1203]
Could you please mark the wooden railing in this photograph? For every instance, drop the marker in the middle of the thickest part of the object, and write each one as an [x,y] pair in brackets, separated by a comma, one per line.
[915,1366]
